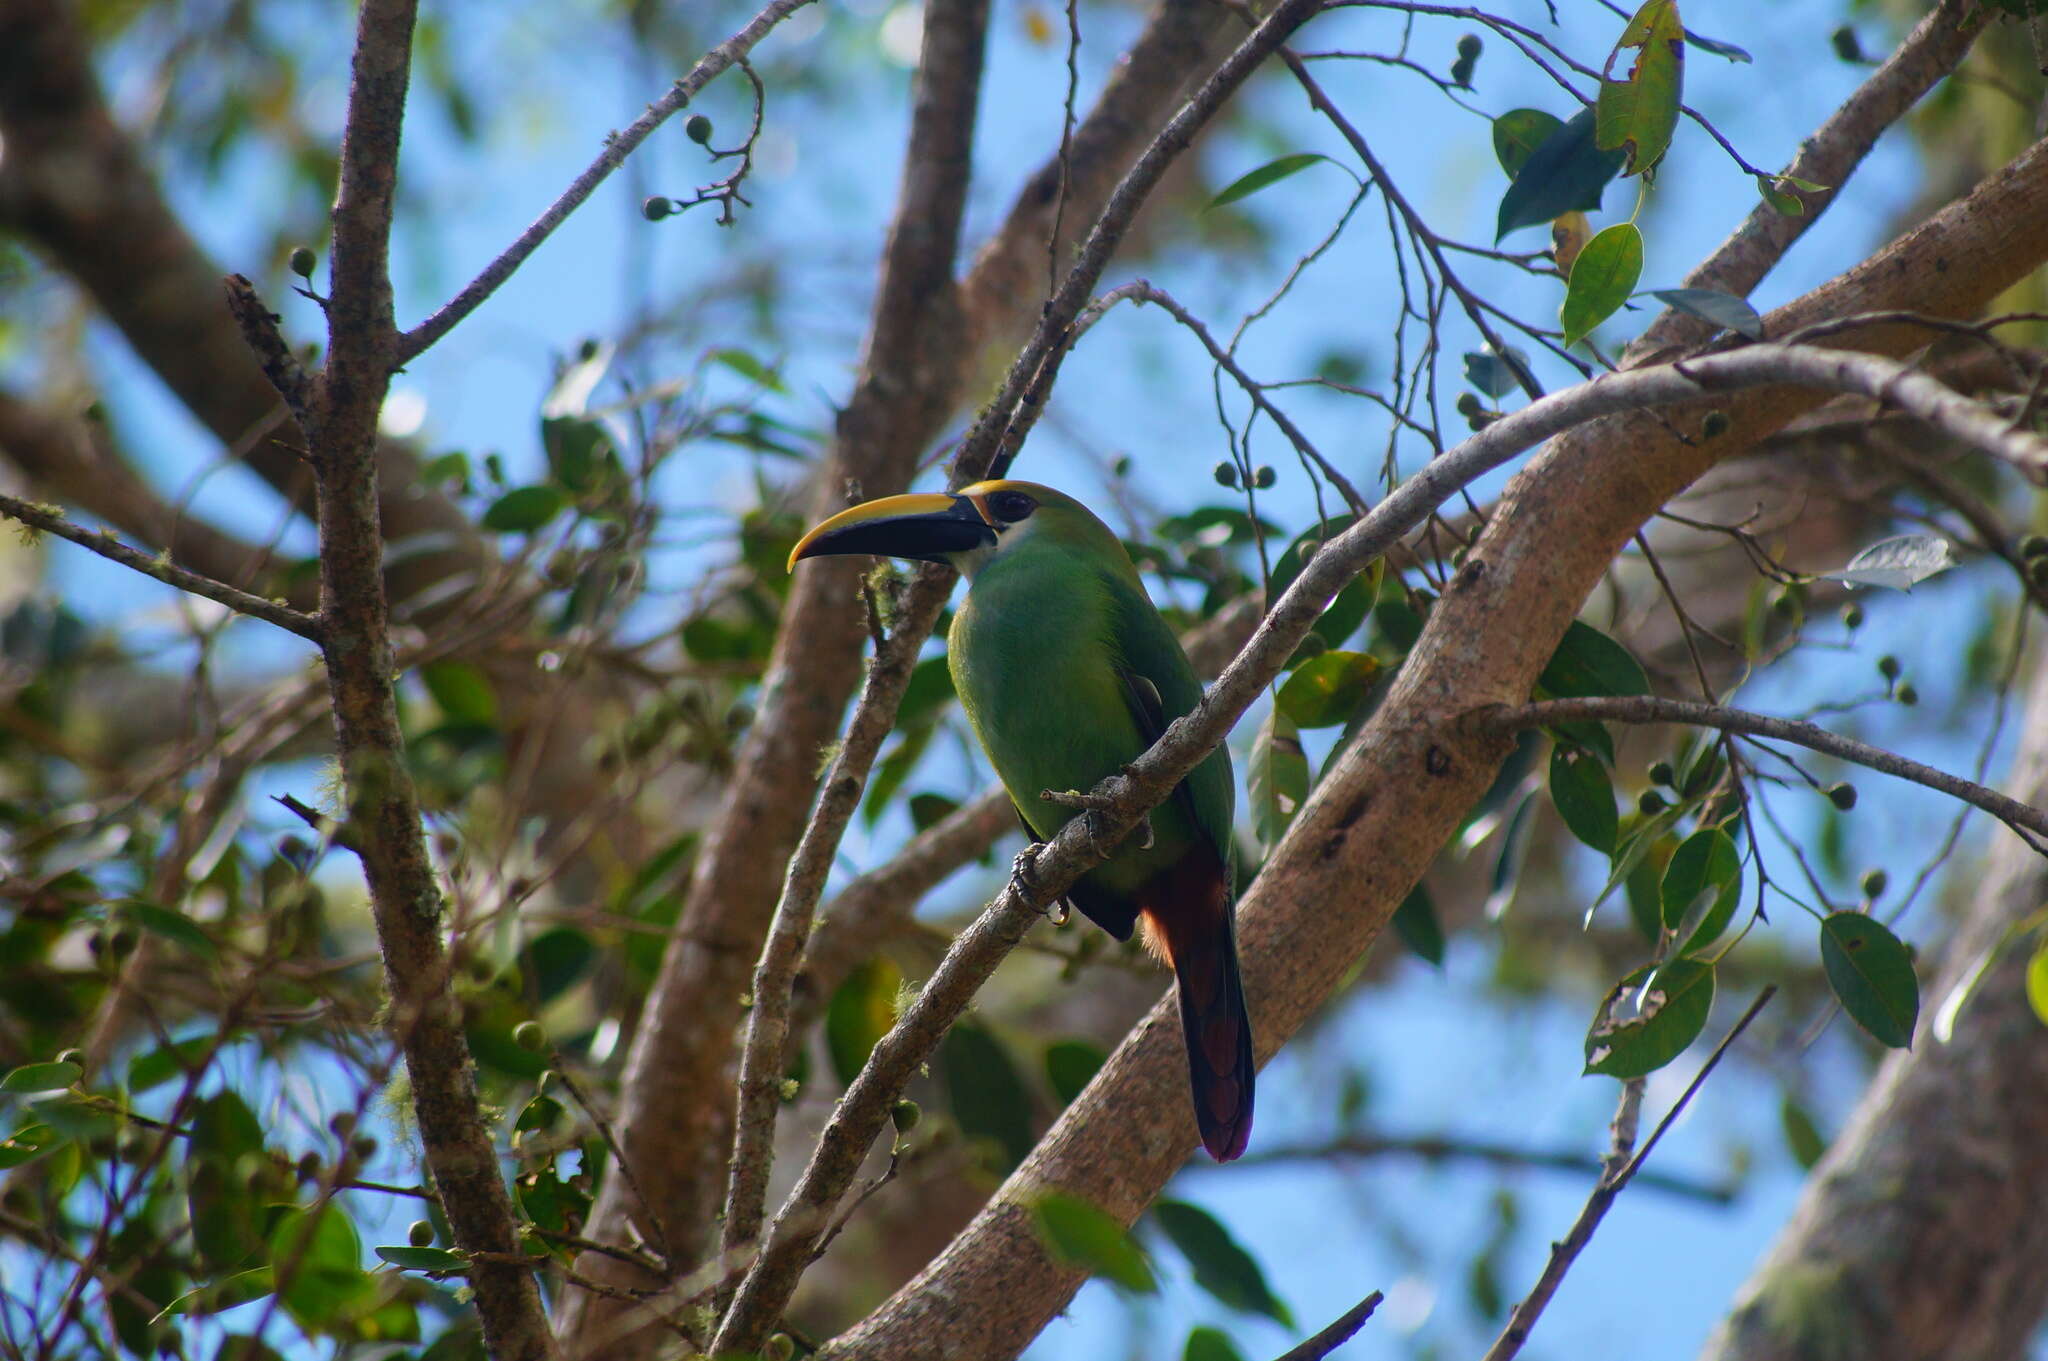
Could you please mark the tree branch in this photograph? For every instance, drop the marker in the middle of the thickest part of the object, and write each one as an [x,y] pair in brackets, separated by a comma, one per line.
[907,385]
[1387,802]
[1434,1148]
[50,520]
[762,1056]
[382,804]
[1337,1334]
[618,146]
[1646,709]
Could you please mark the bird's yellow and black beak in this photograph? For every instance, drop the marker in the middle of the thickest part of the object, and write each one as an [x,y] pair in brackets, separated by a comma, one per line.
[922,526]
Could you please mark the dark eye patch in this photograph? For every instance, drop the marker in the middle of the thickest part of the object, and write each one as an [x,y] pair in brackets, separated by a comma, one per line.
[1012,506]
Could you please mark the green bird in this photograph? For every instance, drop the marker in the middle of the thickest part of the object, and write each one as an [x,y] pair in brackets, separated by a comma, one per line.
[1067,674]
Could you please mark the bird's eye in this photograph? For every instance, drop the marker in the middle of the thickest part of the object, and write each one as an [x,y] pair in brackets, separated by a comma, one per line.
[1011,506]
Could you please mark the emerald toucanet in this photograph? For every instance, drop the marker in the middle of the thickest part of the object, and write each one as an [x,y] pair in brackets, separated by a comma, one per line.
[1067,674]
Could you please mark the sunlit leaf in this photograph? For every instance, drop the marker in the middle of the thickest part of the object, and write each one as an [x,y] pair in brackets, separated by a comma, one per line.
[422,1259]
[1900,563]
[1650,1018]
[1871,973]
[1602,278]
[861,1011]
[523,510]
[2037,984]
[41,1077]
[28,1143]
[1082,1235]
[1210,1344]
[1272,172]
[747,366]
[461,690]
[1638,114]
[1328,689]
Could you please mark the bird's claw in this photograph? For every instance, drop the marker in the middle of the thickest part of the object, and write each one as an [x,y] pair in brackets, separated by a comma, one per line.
[1020,880]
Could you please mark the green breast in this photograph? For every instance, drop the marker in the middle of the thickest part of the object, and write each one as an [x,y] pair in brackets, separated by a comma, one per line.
[1034,652]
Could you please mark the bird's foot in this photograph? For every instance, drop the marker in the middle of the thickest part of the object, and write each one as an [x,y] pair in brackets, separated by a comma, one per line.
[1090,805]
[1020,880]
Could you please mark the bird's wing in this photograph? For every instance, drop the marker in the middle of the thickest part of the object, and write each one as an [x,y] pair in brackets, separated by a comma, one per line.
[1159,686]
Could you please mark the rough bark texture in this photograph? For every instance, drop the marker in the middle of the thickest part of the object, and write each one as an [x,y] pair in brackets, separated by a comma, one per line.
[1386,807]
[1920,1233]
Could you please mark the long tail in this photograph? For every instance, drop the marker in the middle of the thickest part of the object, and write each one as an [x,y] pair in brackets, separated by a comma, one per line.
[1190,923]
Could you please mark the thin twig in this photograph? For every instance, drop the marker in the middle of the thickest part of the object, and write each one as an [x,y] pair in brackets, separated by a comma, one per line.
[1610,1185]
[618,146]
[1337,1334]
[1648,709]
[50,520]
[1438,1148]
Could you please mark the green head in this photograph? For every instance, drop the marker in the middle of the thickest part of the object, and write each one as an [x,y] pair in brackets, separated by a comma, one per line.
[967,529]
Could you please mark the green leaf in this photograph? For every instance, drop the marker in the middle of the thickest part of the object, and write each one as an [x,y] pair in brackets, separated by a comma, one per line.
[748,367]
[1328,689]
[523,510]
[1635,847]
[861,1011]
[1516,135]
[318,1260]
[541,1112]
[42,1077]
[160,1065]
[928,809]
[1588,664]
[1802,1137]
[986,1093]
[1712,305]
[1701,889]
[579,451]
[1637,115]
[1278,781]
[2037,986]
[409,1258]
[1071,1065]
[1786,202]
[1584,797]
[1221,1266]
[1871,973]
[1210,1344]
[1272,172]
[1602,278]
[1649,1018]
[219,1296]
[1079,1234]
[174,927]
[27,1144]
[1415,921]
[463,692]
[1568,171]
